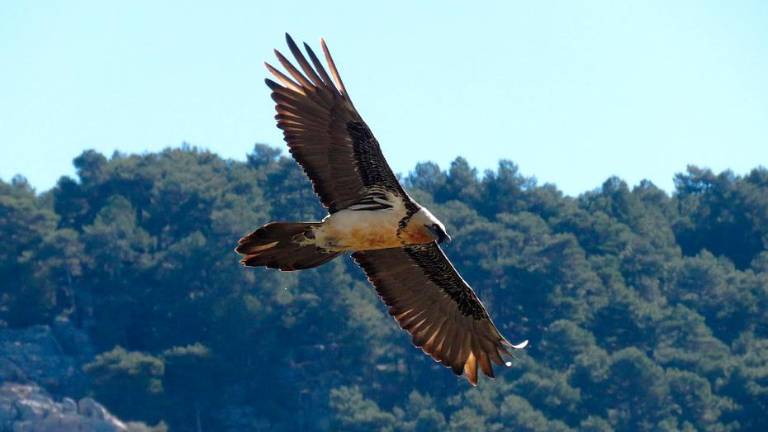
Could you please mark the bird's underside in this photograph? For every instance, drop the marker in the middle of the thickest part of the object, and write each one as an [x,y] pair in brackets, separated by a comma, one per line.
[393,238]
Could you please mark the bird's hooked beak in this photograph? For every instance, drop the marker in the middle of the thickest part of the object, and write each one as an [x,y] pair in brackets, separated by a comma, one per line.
[439,233]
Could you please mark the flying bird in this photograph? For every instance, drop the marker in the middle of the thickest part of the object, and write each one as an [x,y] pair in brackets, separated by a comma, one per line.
[391,236]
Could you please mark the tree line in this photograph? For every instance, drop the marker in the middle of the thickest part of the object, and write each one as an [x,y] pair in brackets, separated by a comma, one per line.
[645,311]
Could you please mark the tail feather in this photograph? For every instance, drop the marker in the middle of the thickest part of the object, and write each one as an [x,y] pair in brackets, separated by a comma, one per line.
[283,245]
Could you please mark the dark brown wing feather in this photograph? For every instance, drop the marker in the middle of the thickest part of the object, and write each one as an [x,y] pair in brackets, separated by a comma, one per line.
[430,300]
[325,133]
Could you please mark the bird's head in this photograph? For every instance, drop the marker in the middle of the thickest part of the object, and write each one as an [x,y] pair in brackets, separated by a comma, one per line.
[424,227]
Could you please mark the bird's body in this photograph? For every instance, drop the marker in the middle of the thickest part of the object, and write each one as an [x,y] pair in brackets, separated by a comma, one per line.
[393,238]
[367,226]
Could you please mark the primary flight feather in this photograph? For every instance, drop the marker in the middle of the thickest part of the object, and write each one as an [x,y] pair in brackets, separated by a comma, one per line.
[392,237]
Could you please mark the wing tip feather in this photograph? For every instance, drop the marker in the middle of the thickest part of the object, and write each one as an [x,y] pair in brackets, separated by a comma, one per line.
[271,84]
[332,66]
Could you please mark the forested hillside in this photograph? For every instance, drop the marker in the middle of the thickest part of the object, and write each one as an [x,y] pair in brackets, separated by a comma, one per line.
[645,311]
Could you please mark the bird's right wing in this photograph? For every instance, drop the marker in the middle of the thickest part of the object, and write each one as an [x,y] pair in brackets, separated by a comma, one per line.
[431,301]
[325,133]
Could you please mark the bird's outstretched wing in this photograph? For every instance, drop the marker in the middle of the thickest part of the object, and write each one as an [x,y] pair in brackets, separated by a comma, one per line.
[325,133]
[430,300]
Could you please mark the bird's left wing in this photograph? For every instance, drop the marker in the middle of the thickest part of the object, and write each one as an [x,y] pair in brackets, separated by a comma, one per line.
[326,134]
[429,299]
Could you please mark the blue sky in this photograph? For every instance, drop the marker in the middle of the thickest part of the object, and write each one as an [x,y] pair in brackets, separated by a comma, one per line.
[573,92]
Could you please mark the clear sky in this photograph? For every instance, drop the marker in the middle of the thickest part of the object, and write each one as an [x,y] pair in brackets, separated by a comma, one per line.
[573,92]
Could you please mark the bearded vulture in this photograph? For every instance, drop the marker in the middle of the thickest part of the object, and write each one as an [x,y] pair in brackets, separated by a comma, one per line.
[392,237]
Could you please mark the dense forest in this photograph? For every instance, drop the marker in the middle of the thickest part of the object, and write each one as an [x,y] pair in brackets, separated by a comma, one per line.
[645,311]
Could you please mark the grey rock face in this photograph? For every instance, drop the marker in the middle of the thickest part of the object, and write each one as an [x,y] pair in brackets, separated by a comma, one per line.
[28,408]
[39,359]
[68,406]
[34,354]
[90,408]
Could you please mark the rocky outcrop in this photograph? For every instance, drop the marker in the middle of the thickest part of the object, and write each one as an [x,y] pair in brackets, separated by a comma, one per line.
[40,372]
[48,356]
[29,408]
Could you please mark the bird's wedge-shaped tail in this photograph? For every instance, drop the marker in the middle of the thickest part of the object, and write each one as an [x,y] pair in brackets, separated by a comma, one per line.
[283,245]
